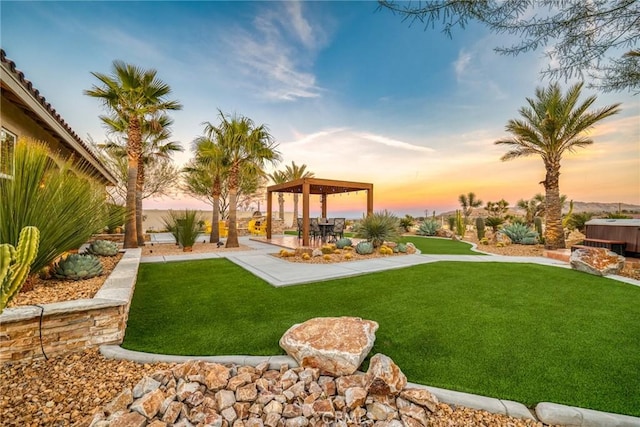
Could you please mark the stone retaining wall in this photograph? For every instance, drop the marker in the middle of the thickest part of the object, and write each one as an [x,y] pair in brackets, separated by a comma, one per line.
[71,325]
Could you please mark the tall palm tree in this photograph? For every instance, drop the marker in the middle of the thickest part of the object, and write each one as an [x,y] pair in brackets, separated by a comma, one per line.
[155,147]
[468,202]
[209,159]
[552,124]
[132,94]
[244,145]
[279,177]
[297,172]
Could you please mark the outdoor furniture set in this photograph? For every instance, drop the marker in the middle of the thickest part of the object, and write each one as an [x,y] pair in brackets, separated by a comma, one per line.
[326,229]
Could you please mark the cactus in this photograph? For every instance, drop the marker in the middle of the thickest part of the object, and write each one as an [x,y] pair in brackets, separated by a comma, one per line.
[480,227]
[364,248]
[452,222]
[327,249]
[529,240]
[103,248]
[341,243]
[77,267]
[16,262]
[537,223]
[460,225]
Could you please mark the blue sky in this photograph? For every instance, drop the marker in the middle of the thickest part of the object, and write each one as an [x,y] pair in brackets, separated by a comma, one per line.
[352,92]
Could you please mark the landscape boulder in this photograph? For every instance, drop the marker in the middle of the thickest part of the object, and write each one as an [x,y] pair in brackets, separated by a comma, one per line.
[384,376]
[334,345]
[597,261]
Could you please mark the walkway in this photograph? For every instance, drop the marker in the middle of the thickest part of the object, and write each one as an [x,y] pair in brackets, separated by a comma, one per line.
[278,272]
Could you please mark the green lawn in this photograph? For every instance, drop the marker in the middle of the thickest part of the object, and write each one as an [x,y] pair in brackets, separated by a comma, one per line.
[521,332]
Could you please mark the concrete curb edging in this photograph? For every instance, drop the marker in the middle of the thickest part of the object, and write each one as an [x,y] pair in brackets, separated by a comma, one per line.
[554,413]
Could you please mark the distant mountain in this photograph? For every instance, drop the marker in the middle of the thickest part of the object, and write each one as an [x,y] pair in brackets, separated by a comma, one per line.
[604,207]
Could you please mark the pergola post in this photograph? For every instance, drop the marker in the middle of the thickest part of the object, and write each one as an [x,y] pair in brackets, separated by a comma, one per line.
[323,205]
[269,207]
[305,213]
[370,201]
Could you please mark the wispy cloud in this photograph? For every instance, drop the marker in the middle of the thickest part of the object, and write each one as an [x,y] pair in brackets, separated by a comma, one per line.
[276,56]
[461,64]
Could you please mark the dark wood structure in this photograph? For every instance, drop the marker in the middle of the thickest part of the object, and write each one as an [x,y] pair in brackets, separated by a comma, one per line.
[615,230]
[323,187]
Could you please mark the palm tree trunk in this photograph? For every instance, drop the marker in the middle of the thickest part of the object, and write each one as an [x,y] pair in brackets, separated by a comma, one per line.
[232,237]
[281,206]
[554,234]
[215,217]
[139,187]
[294,222]
[133,157]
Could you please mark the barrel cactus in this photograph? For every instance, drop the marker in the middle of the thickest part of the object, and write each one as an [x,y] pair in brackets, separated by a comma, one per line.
[103,248]
[77,267]
[364,248]
[341,243]
[15,263]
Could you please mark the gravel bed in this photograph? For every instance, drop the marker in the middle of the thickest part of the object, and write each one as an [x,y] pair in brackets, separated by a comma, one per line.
[64,390]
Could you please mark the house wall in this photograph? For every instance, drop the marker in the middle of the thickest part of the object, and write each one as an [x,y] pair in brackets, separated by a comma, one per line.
[15,121]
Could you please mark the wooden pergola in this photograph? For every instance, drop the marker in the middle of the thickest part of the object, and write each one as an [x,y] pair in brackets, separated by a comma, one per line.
[323,187]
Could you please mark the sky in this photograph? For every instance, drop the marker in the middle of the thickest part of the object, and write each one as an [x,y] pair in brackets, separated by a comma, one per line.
[350,91]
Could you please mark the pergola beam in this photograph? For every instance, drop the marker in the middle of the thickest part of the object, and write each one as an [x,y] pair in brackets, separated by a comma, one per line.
[323,187]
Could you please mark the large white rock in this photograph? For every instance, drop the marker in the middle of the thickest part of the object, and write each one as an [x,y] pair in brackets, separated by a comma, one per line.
[597,261]
[334,345]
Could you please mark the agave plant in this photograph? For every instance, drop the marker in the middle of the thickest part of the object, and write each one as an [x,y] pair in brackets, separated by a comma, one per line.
[103,248]
[429,227]
[519,233]
[52,194]
[378,228]
[185,227]
[77,267]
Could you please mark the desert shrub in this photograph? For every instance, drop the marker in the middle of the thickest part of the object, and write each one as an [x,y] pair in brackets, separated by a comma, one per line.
[494,222]
[519,233]
[54,195]
[407,222]
[428,227]
[184,226]
[378,228]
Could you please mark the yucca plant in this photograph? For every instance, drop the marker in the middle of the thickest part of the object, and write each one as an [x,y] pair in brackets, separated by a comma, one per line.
[378,228]
[49,193]
[185,227]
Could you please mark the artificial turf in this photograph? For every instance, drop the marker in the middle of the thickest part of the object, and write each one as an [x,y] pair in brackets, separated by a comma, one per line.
[520,332]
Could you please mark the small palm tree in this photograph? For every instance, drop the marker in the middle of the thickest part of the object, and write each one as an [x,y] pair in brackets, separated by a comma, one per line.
[297,172]
[552,124]
[133,95]
[279,177]
[245,146]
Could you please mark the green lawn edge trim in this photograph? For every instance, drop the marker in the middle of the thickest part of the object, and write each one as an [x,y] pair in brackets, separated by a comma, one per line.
[521,332]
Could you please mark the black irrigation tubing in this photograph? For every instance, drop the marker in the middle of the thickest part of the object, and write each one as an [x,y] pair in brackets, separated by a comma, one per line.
[40,330]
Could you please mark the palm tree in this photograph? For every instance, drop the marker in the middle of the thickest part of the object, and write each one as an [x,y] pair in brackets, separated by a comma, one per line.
[209,159]
[245,147]
[155,147]
[297,172]
[468,202]
[132,94]
[552,124]
[279,177]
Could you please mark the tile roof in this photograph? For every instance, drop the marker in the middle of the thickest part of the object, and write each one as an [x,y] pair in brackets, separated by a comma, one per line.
[52,111]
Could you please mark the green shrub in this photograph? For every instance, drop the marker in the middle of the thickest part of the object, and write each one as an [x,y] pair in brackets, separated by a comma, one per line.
[429,227]
[494,222]
[184,226]
[451,220]
[518,233]
[77,267]
[578,221]
[378,228]
[407,222]
[103,248]
[49,193]
[116,216]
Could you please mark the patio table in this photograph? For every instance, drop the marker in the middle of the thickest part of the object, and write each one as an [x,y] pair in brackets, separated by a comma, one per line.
[325,229]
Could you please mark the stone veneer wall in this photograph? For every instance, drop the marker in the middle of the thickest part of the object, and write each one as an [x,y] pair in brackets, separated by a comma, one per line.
[71,325]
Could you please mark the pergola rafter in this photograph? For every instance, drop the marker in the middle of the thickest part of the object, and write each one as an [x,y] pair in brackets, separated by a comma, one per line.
[322,187]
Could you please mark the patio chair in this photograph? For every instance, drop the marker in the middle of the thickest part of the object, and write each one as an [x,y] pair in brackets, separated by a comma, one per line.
[337,230]
[314,228]
[300,228]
